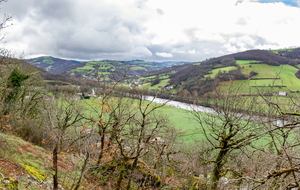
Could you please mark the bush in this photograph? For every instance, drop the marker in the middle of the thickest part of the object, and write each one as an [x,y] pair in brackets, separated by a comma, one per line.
[155,81]
[231,75]
[252,73]
[228,61]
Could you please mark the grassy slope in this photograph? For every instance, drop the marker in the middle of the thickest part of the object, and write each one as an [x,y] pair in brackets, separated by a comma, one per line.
[30,164]
[178,118]
[157,86]
[223,69]
[286,73]
[277,50]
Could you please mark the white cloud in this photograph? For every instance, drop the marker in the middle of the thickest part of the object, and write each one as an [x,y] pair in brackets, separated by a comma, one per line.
[175,29]
[164,54]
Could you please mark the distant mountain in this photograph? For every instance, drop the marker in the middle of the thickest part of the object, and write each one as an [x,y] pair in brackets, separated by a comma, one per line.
[52,64]
[100,70]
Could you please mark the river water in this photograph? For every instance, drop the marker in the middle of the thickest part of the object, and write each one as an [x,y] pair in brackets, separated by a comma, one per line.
[180,105]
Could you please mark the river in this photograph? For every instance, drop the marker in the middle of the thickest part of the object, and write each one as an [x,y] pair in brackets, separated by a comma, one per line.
[192,107]
[180,105]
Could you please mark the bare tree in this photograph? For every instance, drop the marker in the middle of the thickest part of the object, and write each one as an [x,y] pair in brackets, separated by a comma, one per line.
[228,130]
[278,162]
[62,117]
[6,18]
[133,139]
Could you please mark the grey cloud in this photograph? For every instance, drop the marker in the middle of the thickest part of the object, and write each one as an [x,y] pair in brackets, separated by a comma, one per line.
[18,9]
[241,21]
[77,28]
[91,29]
[55,9]
[38,9]
[29,30]
[190,33]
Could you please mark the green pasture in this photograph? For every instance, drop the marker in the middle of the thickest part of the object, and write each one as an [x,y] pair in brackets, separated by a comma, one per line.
[48,60]
[164,82]
[277,50]
[268,71]
[135,68]
[178,117]
[188,129]
[86,67]
[146,85]
[141,62]
[254,86]
[158,86]
[181,120]
[90,66]
[243,62]
[99,63]
[270,78]
[223,69]
[286,103]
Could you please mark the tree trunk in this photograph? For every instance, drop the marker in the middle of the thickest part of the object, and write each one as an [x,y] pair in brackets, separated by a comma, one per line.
[55,168]
[102,146]
[216,174]
[82,171]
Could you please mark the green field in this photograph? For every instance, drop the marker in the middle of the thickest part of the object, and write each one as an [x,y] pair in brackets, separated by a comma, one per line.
[277,50]
[48,60]
[223,69]
[269,78]
[243,62]
[178,118]
[138,68]
[92,65]
[188,129]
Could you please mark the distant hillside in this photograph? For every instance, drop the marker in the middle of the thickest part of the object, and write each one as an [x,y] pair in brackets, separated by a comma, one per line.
[289,53]
[263,56]
[98,70]
[275,70]
[52,65]
[242,66]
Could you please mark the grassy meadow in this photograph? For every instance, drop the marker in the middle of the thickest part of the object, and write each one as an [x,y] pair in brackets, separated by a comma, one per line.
[178,118]
[277,50]
[188,129]
[91,66]
[269,78]
[223,69]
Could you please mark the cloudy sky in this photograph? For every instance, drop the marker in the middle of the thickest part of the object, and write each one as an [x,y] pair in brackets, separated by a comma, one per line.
[189,30]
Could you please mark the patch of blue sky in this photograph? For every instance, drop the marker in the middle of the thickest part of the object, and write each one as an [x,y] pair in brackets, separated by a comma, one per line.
[293,3]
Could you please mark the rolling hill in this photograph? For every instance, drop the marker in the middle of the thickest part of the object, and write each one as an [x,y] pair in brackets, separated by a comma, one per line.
[103,70]
[52,64]
[272,71]
[275,70]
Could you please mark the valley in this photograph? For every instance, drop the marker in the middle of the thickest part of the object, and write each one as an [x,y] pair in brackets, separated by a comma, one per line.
[109,124]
